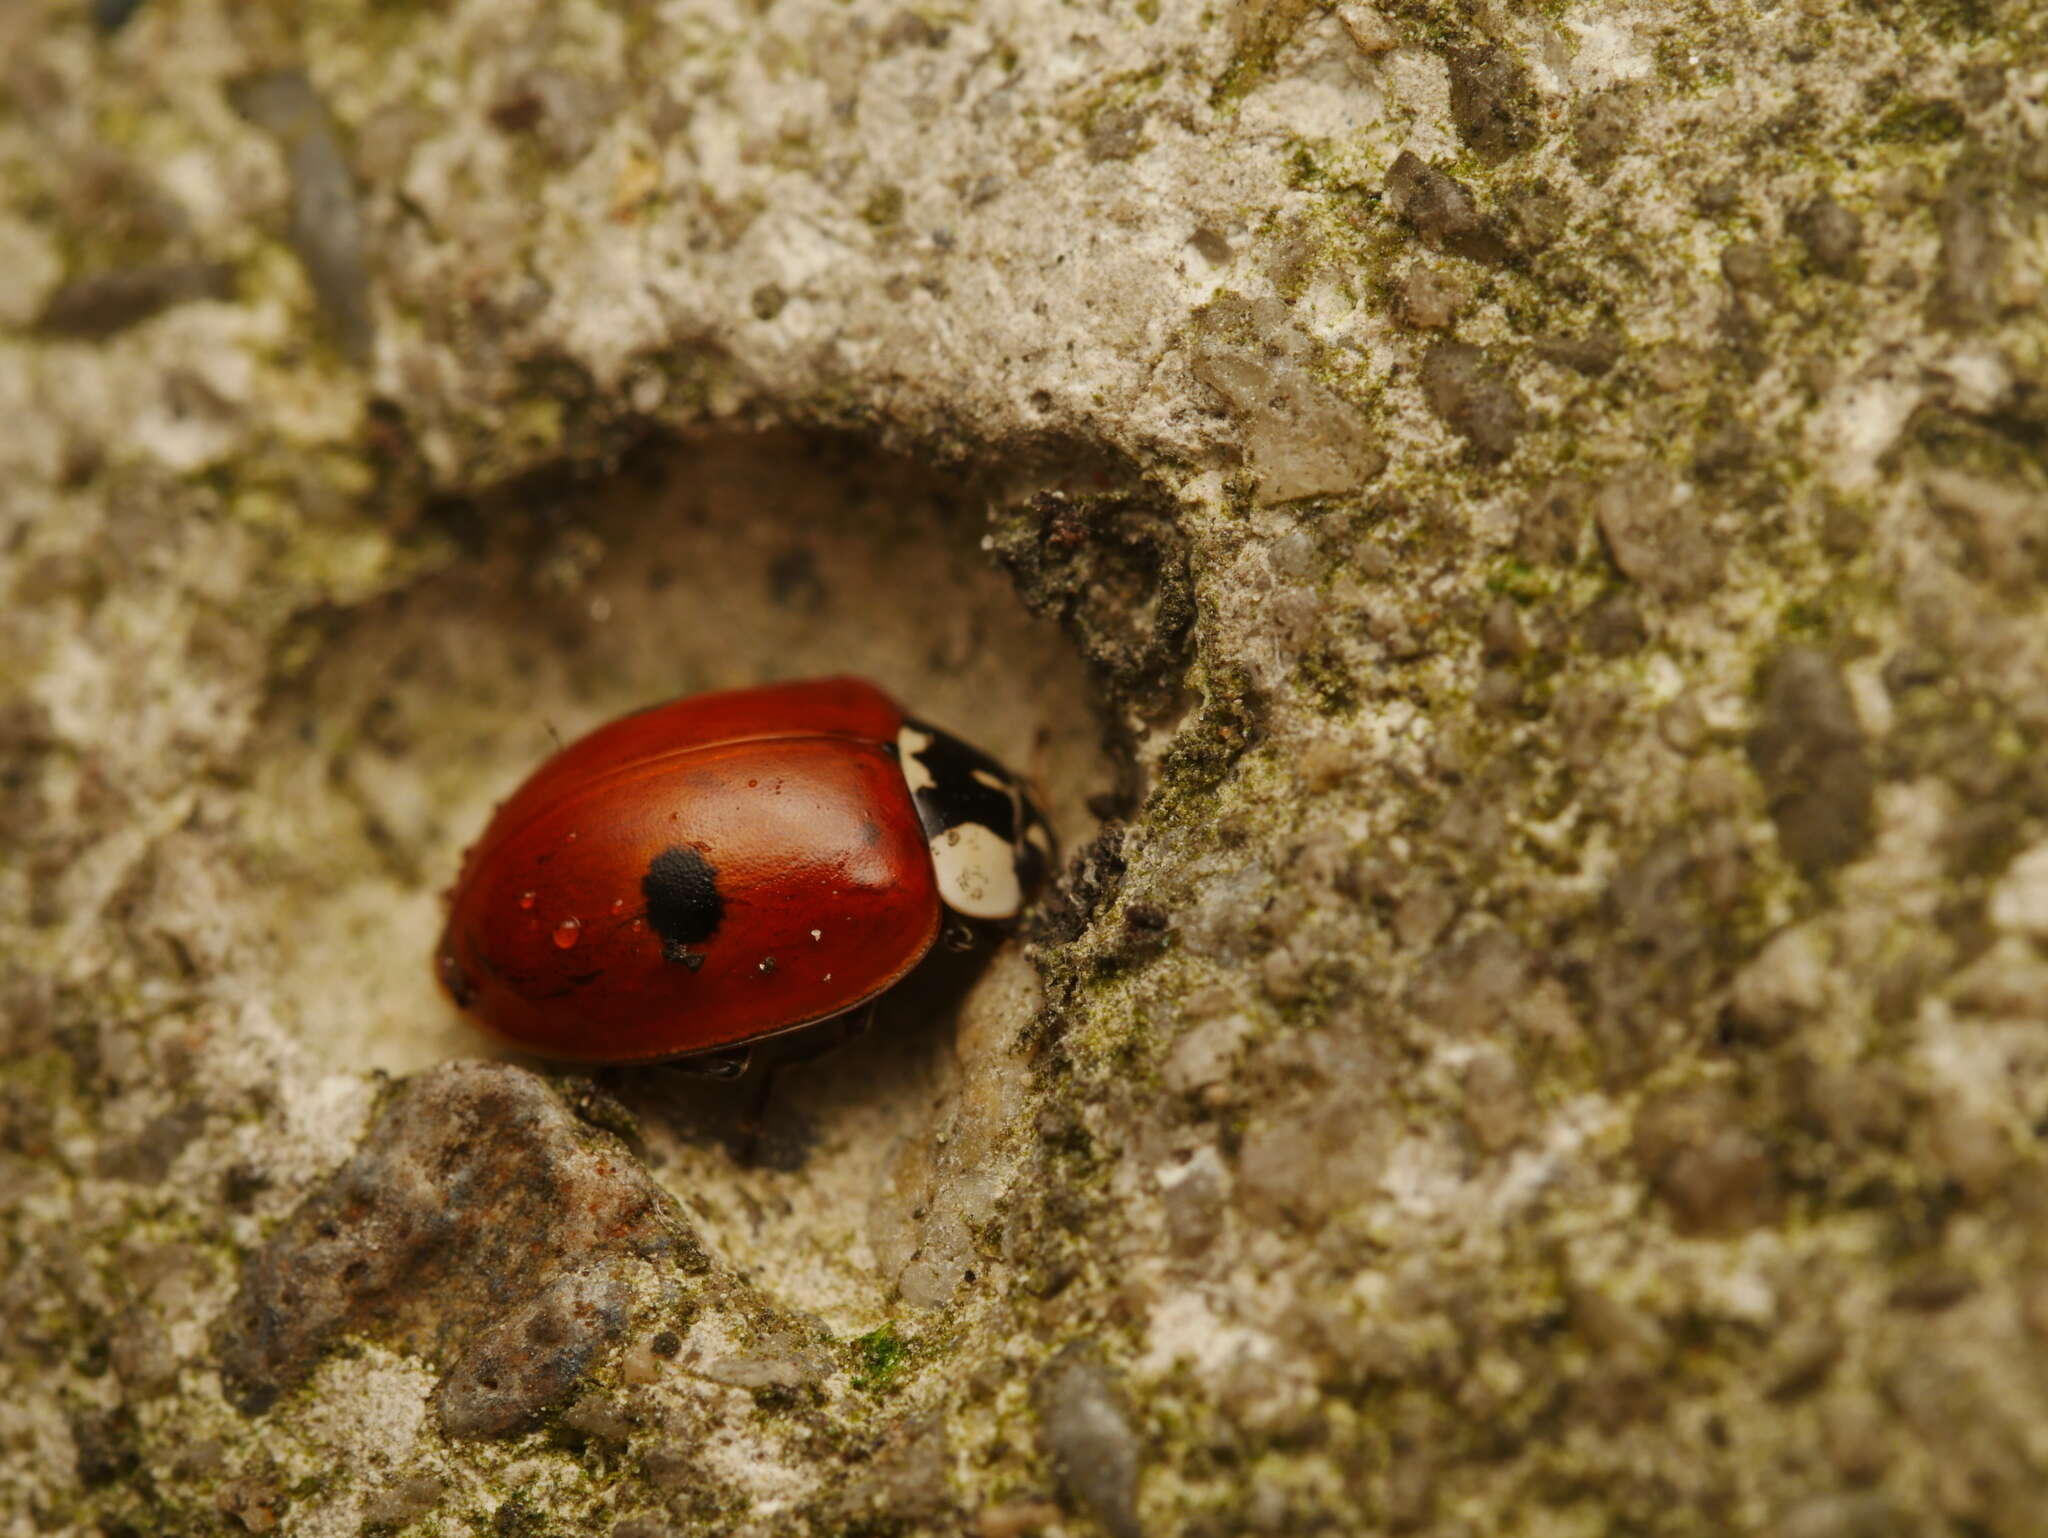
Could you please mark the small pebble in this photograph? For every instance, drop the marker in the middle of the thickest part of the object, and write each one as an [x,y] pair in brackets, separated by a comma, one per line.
[1088,1433]
[1833,237]
[326,231]
[1429,300]
[1474,397]
[1657,534]
[1015,1519]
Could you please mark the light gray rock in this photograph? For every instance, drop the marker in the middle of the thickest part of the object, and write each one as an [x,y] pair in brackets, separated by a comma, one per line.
[1507,535]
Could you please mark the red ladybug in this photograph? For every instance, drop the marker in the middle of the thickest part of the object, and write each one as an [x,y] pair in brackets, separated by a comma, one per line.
[729,866]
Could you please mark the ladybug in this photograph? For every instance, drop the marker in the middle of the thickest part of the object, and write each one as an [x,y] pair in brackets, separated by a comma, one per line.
[727,867]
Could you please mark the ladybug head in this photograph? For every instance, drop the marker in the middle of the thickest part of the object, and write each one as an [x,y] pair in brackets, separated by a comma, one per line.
[991,846]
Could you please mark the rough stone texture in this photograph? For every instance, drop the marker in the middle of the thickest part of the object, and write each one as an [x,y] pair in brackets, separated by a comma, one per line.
[1511,534]
[1300,438]
[1474,397]
[479,1224]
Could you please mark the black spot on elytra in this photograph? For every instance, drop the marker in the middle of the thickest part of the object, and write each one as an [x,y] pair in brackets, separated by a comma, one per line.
[683,904]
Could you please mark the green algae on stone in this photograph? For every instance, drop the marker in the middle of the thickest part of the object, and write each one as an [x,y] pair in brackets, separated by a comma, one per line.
[878,1357]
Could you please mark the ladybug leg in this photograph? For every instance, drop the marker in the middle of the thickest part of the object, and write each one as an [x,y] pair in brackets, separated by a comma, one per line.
[748,1129]
[958,934]
[724,1065]
[793,1052]
[856,1023]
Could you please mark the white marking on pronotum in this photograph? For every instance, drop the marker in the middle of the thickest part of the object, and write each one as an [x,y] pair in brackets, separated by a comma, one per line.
[1039,839]
[910,742]
[994,782]
[977,871]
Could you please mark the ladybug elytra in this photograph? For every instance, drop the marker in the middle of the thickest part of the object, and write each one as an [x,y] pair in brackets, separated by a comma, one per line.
[727,867]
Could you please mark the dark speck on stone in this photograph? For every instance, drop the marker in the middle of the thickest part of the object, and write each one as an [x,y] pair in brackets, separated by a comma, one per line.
[1118,134]
[795,580]
[1553,523]
[110,16]
[104,303]
[518,1518]
[255,1504]
[1501,632]
[402,1501]
[532,1358]
[1833,237]
[1656,536]
[906,1484]
[1726,453]
[240,1184]
[1714,1174]
[1722,195]
[1492,102]
[1533,215]
[1747,266]
[1473,397]
[1592,354]
[1088,1432]
[1972,250]
[105,1444]
[147,1157]
[476,1199]
[1614,627]
[683,903]
[1441,208]
[1911,668]
[643,1527]
[1602,126]
[1807,748]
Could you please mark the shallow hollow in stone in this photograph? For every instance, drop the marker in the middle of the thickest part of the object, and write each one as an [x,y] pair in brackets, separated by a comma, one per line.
[711,563]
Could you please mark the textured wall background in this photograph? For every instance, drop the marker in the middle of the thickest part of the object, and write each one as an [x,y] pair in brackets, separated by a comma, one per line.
[1513,534]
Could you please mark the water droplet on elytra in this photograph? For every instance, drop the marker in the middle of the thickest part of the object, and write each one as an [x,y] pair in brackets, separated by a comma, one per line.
[618,905]
[526,900]
[567,933]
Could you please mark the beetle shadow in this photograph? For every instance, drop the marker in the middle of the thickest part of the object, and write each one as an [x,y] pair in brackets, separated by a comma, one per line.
[777,1114]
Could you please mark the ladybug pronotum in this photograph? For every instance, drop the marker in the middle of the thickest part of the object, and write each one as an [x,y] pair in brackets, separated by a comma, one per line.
[727,867]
